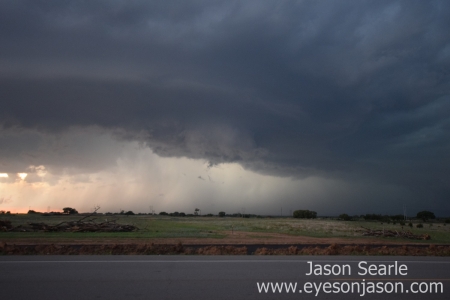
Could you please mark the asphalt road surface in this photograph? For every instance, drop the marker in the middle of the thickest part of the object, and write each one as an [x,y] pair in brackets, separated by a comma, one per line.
[222,277]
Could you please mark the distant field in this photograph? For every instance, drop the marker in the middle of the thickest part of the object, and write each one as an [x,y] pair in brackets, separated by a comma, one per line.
[164,227]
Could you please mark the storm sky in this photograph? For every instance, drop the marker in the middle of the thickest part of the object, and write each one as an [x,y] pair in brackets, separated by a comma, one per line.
[239,106]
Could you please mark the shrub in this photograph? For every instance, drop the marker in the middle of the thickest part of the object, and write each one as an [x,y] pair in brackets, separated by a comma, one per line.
[222,214]
[410,224]
[163,213]
[419,225]
[397,217]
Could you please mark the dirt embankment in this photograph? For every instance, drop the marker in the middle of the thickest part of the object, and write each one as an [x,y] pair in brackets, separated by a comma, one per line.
[157,249]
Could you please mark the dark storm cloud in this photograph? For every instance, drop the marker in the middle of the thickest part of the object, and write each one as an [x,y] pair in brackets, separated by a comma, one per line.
[299,88]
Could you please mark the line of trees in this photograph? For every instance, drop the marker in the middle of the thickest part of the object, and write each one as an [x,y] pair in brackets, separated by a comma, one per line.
[302,213]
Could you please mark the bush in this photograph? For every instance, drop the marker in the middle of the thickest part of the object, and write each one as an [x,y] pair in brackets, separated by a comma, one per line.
[419,225]
[410,224]
[163,213]
[372,217]
[305,214]
[222,214]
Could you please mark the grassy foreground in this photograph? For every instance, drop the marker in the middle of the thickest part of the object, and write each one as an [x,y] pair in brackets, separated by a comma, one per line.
[163,227]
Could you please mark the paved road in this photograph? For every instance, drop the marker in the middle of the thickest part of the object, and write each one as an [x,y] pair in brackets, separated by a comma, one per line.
[208,277]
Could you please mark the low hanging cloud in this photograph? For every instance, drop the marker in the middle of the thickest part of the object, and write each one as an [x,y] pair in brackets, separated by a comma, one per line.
[356,93]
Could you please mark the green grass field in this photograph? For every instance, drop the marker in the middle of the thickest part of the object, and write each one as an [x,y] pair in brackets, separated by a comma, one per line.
[217,228]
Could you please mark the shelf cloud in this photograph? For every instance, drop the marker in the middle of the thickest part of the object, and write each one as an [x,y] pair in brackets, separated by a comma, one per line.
[346,105]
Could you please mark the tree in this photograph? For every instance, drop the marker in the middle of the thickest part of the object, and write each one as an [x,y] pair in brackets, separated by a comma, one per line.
[163,213]
[196,212]
[69,211]
[305,214]
[345,217]
[222,214]
[425,215]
